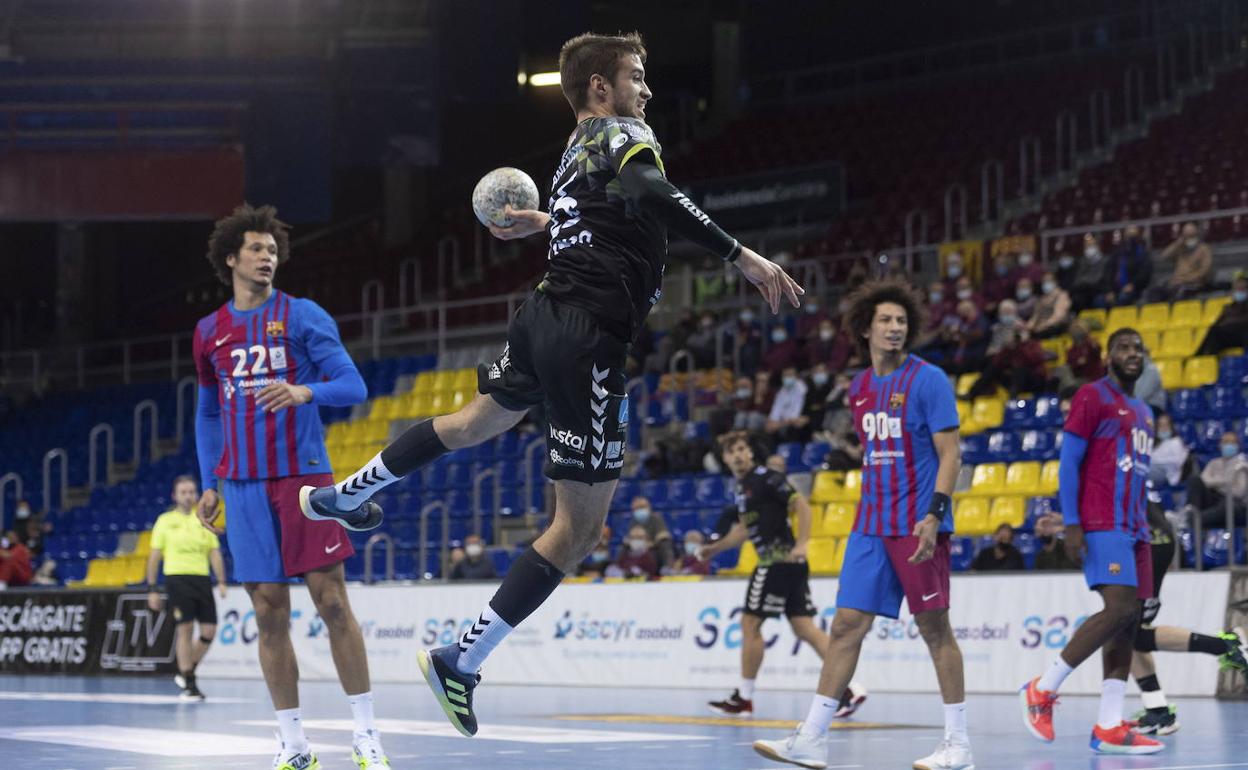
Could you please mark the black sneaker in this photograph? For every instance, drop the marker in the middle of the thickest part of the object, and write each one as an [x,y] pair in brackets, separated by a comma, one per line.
[733,706]
[1158,721]
[452,689]
[191,691]
[851,699]
[320,504]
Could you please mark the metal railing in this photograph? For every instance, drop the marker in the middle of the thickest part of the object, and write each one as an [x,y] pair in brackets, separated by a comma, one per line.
[388,542]
[16,480]
[186,399]
[487,473]
[48,458]
[429,508]
[93,460]
[1146,225]
[146,406]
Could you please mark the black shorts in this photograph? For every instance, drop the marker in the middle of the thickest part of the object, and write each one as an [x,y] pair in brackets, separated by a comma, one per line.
[561,357]
[782,588]
[190,598]
[1163,554]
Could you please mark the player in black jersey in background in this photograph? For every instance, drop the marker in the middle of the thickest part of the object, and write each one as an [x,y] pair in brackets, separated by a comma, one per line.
[780,584]
[610,209]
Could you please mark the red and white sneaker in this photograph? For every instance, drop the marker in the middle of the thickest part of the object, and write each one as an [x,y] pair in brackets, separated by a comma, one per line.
[851,699]
[1038,710]
[1122,740]
[733,706]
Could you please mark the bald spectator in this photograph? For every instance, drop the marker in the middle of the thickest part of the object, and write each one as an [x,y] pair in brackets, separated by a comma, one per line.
[474,565]
[1193,266]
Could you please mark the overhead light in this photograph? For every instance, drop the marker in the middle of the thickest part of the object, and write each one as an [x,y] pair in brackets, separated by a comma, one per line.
[540,79]
[521,78]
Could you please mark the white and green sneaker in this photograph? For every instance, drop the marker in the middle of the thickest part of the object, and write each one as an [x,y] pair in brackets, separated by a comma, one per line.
[295,760]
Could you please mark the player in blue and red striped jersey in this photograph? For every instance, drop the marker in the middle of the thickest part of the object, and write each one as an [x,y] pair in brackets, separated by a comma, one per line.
[265,361]
[1102,489]
[907,420]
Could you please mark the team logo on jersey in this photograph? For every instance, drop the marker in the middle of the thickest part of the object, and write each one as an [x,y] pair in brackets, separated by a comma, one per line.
[897,401]
[177,614]
[275,328]
[228,387]
[277,358]
[1125,464]
[1115,568]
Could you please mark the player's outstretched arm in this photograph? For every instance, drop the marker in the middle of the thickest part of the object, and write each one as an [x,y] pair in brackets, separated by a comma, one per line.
[770,279]
[734,539]
[525,222]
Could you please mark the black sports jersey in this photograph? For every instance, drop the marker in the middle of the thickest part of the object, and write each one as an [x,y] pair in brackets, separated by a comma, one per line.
[763,507]
[606,254]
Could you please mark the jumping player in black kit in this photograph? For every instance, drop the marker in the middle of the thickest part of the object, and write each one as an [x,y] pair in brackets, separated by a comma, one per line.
[780,584]
[611,207]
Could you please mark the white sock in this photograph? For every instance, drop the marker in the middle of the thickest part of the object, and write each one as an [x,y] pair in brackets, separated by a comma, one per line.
[1054,676]
[819,718]
[955,722]
[362,711]
[364,483]
[479,641]
[746,688]
[1153,700]
[1113,691]
[290,728]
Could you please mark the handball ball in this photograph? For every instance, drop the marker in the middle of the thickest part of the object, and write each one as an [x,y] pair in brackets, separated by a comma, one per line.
[498,188]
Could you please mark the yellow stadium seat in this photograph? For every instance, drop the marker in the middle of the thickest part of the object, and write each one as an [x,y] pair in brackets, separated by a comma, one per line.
[1151,339]
[384,408]
[466,379]
[988,412]
[966,382]
[1119,317]
[424,383]
[851,490]
[1199,371]
[1094,317]
[441,402]
[143,546]
[838,519]
[1171,370]
[1023,478]
[747,560]
[827,486]
[988,480]
[1010,510]
[422,406]
[1213,309]
[444,380]
[1155,316]
[1057,346]
[825,555]
[1048,479]
[970,516]
[1185,314]
[1176,343]
[964,414]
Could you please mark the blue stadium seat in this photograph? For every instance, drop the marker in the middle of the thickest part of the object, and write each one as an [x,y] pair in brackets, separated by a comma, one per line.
[1048,412]
[624,494]
[684,520]
[975,449]
[712,490]
[792,454]
[1188,404]
[1002,446]
[1026,544]
[1217,548]
[1019,413]
[1228,401]
[1038,445]
[680,492]
[508,445]
[1209,434]
[961,553]
[656,491]
[1233,370]
[502,558]
[459,475]
[815,453]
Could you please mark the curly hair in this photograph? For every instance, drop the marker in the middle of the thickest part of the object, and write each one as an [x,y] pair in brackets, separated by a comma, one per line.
[866,298]
[227,237]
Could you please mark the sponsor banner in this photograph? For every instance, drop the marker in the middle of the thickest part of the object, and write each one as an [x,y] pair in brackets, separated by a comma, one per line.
[760,199]
[83,632]
[689,634]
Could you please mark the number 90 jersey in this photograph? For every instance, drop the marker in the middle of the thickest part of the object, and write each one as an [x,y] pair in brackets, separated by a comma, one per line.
[895,417]
[1113,478]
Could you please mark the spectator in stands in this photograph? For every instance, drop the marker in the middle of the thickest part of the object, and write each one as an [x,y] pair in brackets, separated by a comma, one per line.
[456,555]
[999,285]
[844,450]
[1130,271]
[1231,328]
[1222,476]
[783,351]
[1025,299]
[1067,268]
[652,522]
[1193,267]
[636,558]
[815,409]
[747,342]
[745,415]
[1169,466]
[689,563]
[1148,387]
[813,315]
[701,343]
[829,346]
[475,565]
[15,564]
[1002,555]
[837,415]
[1019,366]
[764,396]
[965,291]
[787,421]
[595,565]
[1052,552]
[1004,333]
[1028,268]
[953,273]
[967,340]
[1091,276]
[1051,316]
[1083,357]
[29,528]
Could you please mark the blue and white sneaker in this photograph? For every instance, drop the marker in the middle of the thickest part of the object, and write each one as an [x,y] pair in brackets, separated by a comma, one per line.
[452,689]
[321,504]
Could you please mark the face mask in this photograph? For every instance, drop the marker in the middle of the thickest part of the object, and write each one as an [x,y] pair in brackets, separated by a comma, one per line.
[1048,287]
[23,512]
[819,378]
[746,316]
[1239,296]
[642,514]
[744,393]
[708,323]
[812,308]
[637,546]
[473,550]
[602,554]
[1192,242]
[779,335]
[1092,253]
[826,334]
[1003,270]
[1023,293]
[1066,262]
[964,293]
[1164,434]
[1230,450]
[789,381]
[936,296]
[954,271]
[1007,319]
[692,548]
[1024,259]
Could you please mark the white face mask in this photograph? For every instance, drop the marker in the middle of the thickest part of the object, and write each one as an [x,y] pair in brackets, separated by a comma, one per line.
[964,293]
[936,296]
[692,548]
[1192,242]
[743,393]
[789,380]
[642,514]
[779,335]
[746,316]
[638,546]
[1006,320]
[1023,293]
[826,334]
[1049,287]
[1092,253]
[474,550]
[1024,259]
[954,271]
[812,308]
[1066,262]
[819,378]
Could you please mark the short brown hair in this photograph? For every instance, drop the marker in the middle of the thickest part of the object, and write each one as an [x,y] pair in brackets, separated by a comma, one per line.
[185,477]
[589,54]
[228,235]
[869,296]
[732,438]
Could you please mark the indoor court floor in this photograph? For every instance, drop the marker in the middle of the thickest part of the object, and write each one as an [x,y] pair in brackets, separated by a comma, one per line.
[75,723]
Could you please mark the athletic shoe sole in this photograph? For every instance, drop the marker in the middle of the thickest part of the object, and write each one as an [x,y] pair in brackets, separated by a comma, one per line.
[848,709]
[1100,747]
[305,505]
[770,753]
[733,714]
[1022,697]
[425,660]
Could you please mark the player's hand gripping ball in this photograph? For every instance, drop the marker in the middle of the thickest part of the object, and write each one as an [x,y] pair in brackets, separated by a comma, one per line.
[497,189]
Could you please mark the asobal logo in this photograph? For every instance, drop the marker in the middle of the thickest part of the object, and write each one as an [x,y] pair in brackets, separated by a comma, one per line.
[569,439]
[587,628]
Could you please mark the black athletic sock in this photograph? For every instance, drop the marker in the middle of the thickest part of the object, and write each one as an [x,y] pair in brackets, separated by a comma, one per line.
[416,448]
[1146,639]
[1152,696]
[1210,645]
[1148,683]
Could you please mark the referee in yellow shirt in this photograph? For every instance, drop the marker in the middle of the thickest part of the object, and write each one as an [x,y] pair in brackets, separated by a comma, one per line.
[187,548]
